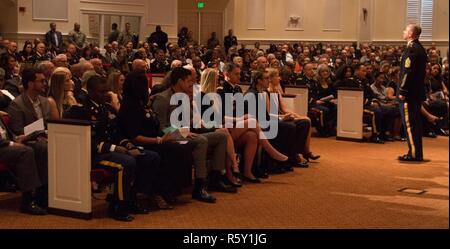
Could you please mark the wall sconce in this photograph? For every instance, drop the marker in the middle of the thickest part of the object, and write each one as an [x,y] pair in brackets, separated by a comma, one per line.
[365,13]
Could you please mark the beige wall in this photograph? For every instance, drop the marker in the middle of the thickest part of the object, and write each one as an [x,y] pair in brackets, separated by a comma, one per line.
[8,20]
[229,16]
[29,28]
[27,25]
[275,25]
[390,20]
[440,20]
[210,5]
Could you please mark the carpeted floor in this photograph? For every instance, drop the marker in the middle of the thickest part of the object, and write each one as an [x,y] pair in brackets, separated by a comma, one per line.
[354,185]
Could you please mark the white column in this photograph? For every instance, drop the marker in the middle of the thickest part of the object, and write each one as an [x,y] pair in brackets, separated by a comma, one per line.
[122,23]
[199,37]
[102,32]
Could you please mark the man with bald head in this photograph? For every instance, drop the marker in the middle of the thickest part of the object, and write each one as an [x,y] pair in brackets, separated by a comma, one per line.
[61,61]
[72,54]
[263,63]
[40,53]
[139,65]
[98,67]
[411,91]
[77,37]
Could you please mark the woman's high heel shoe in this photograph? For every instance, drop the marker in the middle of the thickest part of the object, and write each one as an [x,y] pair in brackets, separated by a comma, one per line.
[311,156]
[251,180]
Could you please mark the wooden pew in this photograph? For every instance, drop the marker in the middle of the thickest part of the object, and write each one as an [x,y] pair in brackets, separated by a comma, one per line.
[350,114]
[69,168]
[299,104]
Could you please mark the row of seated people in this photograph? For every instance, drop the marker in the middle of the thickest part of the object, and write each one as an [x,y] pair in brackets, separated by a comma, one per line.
[380,101]
[128,139]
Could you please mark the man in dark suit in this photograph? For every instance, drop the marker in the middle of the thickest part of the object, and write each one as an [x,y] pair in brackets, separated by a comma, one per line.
[54,39]
[27,108]
[159,37]
[411,91]
[21,160]
[229,41]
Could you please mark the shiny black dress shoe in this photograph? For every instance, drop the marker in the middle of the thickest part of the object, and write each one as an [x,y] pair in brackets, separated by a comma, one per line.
[32,208]
[158,202]
[221,186]
[235,183]
[136,208]
[251,180]
[399,138]
[203,195]
[430,134]
[376,140]
[297,163]
[388,139]
[169,198]
[409,158]
[119,213]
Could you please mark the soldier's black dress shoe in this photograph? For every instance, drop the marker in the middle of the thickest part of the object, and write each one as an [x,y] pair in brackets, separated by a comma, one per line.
[32,208]
[377,140]
[119,212]
[430,134]
[409,158]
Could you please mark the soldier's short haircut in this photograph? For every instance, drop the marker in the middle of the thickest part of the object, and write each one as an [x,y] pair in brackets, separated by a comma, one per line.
[416,30]
[94,82]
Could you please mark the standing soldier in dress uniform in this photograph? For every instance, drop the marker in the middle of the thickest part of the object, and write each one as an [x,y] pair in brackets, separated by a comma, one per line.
[411,91]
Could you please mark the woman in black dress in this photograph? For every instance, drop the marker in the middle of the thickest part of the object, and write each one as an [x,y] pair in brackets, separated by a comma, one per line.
[140,124]
[323,95]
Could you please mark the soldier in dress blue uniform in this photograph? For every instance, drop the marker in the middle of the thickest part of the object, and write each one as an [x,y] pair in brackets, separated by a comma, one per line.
[112,152]
[411,91]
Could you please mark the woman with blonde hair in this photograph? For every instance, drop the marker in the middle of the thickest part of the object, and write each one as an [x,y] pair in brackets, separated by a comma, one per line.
[115,82]
[287,115]
[60,95]
[238,136]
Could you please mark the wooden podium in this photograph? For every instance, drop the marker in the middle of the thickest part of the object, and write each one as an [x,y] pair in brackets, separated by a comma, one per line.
[69,168]
[350,114]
